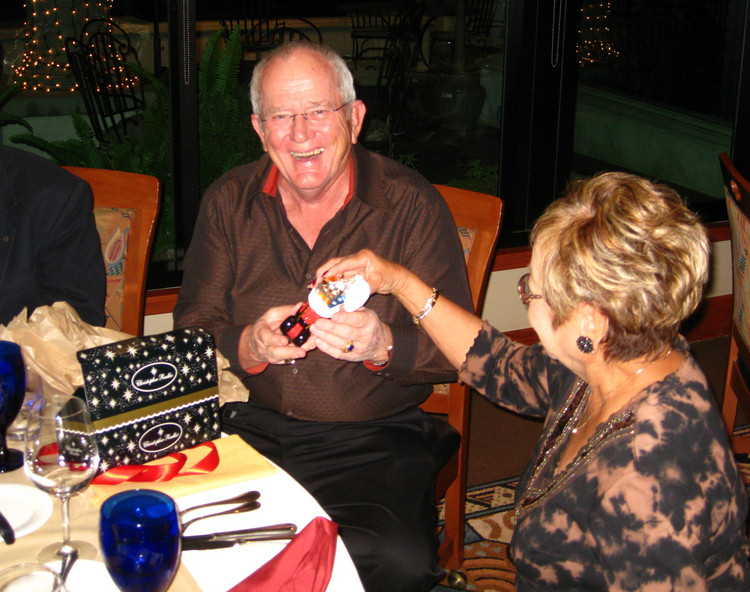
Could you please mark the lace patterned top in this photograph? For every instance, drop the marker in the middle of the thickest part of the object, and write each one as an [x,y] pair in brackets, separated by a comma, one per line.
[654,501]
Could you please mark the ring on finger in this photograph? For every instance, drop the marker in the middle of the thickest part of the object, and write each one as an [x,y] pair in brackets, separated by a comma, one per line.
[348,346]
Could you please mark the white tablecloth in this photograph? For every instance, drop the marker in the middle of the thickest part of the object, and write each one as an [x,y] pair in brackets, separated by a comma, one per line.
[282,500]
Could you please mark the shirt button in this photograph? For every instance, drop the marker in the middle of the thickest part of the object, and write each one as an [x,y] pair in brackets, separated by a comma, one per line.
[294,370]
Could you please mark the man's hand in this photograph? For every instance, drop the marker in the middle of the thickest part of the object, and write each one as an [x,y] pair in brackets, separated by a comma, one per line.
[367,335]
[263,342]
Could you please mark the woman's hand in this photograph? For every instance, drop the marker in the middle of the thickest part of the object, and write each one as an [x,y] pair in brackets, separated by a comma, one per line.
[383,277]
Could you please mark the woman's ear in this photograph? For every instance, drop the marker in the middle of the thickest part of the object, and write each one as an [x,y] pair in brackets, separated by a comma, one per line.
[592,323]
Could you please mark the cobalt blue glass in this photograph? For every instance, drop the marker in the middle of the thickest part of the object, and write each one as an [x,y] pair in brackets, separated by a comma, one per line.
[139,534]
[12,392]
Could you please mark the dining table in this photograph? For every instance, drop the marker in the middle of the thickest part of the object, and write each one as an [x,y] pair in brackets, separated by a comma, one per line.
[37,518]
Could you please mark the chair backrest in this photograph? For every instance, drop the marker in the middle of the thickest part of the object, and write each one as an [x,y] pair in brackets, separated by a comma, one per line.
[480,16]
[256,34]
[737,192]
[125,209]
[393,82]
[478,217]
[737,388]
[112,93]
[282,35]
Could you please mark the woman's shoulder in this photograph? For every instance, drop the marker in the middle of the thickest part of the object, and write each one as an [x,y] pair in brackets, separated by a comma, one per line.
[677,422]
[681,401]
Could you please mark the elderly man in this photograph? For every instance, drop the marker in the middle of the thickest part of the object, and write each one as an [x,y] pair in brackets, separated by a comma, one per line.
[340,413]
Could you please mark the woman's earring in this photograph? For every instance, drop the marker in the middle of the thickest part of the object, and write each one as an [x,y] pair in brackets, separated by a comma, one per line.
[585,344]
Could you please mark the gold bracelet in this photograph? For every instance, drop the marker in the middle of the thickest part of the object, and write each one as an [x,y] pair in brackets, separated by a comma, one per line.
[417,318]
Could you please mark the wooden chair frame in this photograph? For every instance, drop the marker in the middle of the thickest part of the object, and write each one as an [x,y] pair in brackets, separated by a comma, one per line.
[736,388]
[481,213]
[140,193]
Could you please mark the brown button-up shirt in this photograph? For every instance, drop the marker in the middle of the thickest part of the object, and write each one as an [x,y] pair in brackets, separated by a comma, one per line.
[246,257]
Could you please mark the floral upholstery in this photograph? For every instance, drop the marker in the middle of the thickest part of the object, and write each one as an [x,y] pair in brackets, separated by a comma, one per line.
[740,229]
[466,235]
[113,226]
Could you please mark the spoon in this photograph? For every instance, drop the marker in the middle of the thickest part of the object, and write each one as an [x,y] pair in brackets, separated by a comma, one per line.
[243,498]
[246,507]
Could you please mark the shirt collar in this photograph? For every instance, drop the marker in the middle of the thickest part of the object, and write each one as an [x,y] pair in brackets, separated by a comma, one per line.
[271,186]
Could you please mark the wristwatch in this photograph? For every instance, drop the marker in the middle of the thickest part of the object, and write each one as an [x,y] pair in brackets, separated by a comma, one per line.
[389,353]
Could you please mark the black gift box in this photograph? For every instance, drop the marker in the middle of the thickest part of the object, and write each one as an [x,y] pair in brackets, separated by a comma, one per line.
[151,396]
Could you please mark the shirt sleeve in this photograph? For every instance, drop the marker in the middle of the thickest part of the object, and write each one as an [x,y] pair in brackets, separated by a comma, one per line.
[208,279]
[510,374]
[433,252]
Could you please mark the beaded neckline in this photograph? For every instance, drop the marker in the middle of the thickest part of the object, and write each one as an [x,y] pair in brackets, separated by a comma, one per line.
[537,489]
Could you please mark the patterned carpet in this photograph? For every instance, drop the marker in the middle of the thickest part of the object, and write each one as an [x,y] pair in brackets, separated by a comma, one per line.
[489,525]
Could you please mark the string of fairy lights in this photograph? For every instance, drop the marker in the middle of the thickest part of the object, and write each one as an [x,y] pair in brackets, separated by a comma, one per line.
[44,64]
[595,43]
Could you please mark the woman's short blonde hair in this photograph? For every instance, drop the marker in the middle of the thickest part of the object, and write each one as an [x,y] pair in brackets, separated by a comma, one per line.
[632,249]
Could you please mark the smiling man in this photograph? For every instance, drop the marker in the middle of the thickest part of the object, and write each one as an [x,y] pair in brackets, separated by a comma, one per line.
[340,413]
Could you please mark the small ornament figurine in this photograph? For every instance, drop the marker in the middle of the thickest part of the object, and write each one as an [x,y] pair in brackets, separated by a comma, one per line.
[329,296]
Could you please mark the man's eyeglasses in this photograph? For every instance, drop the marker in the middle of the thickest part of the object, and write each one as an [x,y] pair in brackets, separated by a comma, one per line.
[524,294]
[285,120]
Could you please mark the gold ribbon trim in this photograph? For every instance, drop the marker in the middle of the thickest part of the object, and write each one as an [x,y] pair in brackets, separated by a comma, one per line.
[107,423]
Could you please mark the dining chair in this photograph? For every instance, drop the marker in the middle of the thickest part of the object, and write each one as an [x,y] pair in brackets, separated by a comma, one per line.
[478,217]
[125,209]
[112,93]
[393,83]
[737,385]
[373,25]
[478,21]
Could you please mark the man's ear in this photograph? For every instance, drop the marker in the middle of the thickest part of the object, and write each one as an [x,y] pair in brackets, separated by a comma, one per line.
[357,118]
[258,127]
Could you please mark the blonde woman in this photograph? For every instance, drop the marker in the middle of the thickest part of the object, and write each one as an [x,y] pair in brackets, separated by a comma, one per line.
[633,485]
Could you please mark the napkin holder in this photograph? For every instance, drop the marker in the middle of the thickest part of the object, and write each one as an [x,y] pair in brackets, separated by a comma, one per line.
[151,396]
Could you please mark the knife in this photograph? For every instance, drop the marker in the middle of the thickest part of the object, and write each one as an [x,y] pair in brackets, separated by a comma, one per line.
[6,530]
[222,540]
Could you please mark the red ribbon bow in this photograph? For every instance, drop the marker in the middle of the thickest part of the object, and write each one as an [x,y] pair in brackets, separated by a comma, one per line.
[173,466]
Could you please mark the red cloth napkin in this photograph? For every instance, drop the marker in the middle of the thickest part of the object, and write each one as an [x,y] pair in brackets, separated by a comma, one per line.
[304,565]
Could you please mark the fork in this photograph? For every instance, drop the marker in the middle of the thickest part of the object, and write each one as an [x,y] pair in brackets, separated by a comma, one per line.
[246,507]
[243,498]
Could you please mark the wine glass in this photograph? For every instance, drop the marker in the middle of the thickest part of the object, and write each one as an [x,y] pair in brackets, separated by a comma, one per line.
[12,391]
[139,535]
[61,458]
[34,391]
[30,577]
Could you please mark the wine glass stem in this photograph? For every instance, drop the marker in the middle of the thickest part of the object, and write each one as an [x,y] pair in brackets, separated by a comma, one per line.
[65,519]
[3,444]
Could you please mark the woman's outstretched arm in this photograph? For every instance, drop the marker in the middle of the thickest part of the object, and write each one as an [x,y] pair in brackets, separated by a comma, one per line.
[452,328]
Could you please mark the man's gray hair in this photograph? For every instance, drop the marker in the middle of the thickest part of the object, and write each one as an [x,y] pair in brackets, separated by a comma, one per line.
[343,74]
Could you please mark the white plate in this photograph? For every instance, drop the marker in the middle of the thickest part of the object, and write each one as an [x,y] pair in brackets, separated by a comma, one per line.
[87,575]
[25,507]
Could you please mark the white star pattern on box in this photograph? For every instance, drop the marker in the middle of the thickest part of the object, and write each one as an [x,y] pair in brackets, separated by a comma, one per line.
[131,376]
